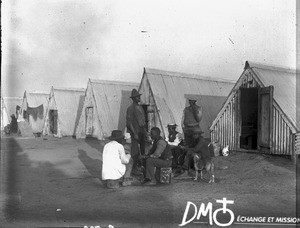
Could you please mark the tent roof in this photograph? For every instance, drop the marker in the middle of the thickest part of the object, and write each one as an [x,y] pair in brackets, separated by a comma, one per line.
[68,89]
[184,75]
[112,83]
[35,99]
[284,82]
[170,90]
[112,99]
[11,102]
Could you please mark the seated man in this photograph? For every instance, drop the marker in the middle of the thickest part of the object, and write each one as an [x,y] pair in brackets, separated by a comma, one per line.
[159,156]
[117,164]
[199,145]
[174,139]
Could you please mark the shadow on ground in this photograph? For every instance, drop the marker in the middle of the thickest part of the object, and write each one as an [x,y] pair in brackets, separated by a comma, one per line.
[93,166]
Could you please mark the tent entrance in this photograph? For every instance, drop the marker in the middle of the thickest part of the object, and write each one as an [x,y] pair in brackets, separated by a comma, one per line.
[249,118]
[89,121]
[53,121]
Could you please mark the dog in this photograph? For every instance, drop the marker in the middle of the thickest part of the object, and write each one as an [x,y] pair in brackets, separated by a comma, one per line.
[202,162]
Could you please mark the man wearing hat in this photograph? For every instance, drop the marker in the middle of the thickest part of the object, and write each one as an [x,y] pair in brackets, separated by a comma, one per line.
[191,118]
[117,164]
[136,126]
[197,146]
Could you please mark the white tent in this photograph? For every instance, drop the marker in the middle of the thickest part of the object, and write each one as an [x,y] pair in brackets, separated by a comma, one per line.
[63,111]
[104,108]
[34,109]
[4,115]
[165,95]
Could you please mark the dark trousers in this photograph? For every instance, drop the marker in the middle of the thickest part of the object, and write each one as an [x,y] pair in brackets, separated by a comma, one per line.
[178,156]
[137,148]
[187,161]
[152,163]
[188,136]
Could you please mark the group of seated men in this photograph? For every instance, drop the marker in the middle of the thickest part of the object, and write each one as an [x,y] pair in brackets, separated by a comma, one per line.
[169,152]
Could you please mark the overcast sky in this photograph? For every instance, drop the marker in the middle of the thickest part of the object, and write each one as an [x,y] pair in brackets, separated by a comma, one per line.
[63,43]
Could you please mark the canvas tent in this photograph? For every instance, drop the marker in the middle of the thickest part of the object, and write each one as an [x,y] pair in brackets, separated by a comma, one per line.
[9,107]
[11,104]
[104,108]
[63,111]
[260,112]
[34,109]
[165,95]
[4,115]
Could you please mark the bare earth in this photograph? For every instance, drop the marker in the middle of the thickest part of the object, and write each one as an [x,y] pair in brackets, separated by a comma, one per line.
[57,183]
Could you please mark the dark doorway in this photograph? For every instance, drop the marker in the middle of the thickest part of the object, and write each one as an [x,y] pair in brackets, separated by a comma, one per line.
[249,117]
[53,121]
[89,121]
[25,115]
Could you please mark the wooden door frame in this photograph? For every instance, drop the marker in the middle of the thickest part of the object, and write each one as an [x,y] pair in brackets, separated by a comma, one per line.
[265,90]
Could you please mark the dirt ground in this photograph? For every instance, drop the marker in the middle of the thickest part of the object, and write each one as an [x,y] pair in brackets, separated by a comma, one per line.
[57,183]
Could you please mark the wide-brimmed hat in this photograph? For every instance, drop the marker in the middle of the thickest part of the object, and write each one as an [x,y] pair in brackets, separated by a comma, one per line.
[172,125]
[135,93]
[197,130]
[192,97]
[116,134]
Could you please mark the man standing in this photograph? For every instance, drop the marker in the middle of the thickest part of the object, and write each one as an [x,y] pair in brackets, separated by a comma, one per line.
[136,125]
[191,118]
[159,156]
[117,164]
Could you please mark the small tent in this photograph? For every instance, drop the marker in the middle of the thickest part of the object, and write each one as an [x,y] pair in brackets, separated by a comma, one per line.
[11,104]
[165,94]
[260,112]
[63,111]
[4,115]
[34,109]
[104,108]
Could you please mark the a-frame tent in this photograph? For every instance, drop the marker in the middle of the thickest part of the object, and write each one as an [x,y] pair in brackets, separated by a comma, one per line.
[104,108]
[260,112]
[165,95]
[11,104]
[63,111]
[4,115]
[34,109]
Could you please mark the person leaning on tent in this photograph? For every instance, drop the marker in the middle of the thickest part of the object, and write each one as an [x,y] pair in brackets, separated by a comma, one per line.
[191,118]
[159,156]
[174,139]
[117,164]
[136,126]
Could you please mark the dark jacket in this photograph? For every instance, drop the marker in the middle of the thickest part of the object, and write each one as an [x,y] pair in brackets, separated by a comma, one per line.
[166,154]
[135,116]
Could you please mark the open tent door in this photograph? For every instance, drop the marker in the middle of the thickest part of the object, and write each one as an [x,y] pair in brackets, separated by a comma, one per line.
[265,118]
[53,121]
[89,121]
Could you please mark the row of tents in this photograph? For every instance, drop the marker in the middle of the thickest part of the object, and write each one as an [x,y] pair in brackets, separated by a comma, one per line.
[257,112]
